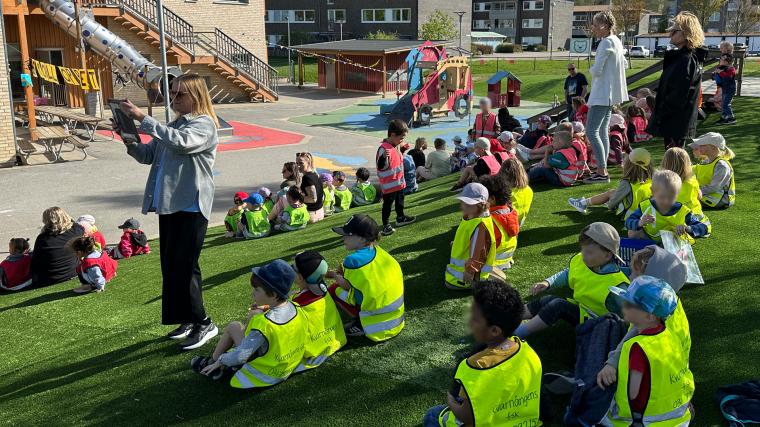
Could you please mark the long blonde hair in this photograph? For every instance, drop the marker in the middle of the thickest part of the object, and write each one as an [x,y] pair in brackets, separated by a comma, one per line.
[677,160]
[514,172]
[608,19]
[689,24]
[198,92]
[56,221]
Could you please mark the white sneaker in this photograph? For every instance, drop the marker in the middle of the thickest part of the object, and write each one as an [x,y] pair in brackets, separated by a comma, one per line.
[580,205]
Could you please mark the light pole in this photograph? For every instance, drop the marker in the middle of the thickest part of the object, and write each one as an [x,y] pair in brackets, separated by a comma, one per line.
[290,61]
[551,30]
[460,13]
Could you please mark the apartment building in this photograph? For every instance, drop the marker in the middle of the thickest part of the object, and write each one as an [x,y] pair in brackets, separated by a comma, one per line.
[526,22]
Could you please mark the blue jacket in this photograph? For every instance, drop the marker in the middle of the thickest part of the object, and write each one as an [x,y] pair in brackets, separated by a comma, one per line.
[694,226]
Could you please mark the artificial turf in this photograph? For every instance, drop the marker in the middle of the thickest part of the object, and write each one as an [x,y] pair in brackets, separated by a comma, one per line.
[102,359]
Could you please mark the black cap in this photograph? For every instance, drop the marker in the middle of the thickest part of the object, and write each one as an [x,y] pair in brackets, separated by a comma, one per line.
[313,267]
[359,225]
[130,223]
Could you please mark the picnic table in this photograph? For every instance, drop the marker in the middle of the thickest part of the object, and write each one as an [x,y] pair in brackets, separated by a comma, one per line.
[70,117]
[53,138]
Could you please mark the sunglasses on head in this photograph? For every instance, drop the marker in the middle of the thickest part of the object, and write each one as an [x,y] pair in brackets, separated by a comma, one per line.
[674,30]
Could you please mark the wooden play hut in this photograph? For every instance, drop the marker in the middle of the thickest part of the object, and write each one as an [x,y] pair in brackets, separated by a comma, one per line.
[510,98]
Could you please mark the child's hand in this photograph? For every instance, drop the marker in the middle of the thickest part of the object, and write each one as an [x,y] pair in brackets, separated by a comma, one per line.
[606,377]
[680,230]
[210,368]
[646,219]
[539,287]
[331,274]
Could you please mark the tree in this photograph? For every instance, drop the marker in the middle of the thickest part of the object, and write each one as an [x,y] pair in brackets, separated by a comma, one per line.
[439,26]
[745,18]
[703,9]
[381,35]
[628,14]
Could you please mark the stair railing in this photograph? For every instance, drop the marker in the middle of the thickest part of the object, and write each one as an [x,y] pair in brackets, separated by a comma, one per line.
[237,56]
[176,28]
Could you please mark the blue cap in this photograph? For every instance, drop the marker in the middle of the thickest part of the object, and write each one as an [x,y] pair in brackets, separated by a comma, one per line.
[650,294]
[255,199]
[278,276]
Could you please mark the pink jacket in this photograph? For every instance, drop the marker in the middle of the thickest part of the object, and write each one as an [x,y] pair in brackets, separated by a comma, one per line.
[128,248]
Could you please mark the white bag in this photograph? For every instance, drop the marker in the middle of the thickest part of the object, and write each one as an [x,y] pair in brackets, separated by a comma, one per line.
[682,249]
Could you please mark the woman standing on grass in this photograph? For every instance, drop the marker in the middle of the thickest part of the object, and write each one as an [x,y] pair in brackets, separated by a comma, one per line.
[608,87]
[675,110]
[180,189]
[311,187]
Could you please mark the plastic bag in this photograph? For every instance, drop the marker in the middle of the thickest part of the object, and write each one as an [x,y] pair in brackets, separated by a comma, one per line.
[682,249]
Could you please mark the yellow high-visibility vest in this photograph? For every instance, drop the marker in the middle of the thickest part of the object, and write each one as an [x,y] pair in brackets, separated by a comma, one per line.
[325,332]
[689,197]
[505,395]
[664,222]
[460,251]
[286,347]
[232,220]
[590,289]
[679,327]
[299,216]
[705,172]
[257,223]
[522,198]
[342,199]
[328,202]
[381,284]
[640,191]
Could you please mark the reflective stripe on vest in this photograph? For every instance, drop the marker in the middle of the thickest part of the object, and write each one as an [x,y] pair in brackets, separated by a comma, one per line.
[568,176]
[488,130]
[257,223]
[310,363]
[461,251]
[391,179]
[663,222]
[381,284]
[590,289]
[705,172]
[640,191]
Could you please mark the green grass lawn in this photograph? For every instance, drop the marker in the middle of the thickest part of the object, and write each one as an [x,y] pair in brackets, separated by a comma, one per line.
[102,359]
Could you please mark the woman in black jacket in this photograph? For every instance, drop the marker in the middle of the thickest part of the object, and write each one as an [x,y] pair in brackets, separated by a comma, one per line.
[508,121]
[52,261]
[675,111]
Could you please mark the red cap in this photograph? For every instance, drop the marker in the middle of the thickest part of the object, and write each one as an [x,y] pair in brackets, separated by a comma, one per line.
[242,195]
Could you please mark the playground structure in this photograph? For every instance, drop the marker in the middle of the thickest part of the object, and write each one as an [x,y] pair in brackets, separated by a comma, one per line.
[437,84]
[510,98]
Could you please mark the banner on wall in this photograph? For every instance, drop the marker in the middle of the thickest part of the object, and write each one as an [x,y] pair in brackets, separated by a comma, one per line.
[85,79]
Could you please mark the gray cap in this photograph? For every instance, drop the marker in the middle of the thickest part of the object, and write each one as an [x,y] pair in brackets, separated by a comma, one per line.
[483,143]
[605,236]
[666,266]
[474,193]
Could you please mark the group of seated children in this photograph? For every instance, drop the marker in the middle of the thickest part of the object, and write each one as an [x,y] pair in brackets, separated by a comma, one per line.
[291,330]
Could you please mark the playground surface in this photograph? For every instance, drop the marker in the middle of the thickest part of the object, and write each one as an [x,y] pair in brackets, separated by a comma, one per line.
[100,359]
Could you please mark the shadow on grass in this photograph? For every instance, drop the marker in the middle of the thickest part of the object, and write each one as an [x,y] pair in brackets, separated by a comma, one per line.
[42,299]
[541,235]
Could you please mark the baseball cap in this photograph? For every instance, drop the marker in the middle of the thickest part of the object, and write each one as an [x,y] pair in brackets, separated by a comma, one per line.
[359,225]
[710,138]
[545,119]
[578,127]
[242,195]
[605,236]
[617,120]
[277,276]
[130,223]
[640,157]
[265,192]
[255,199]
[505,136]
[650,294]
[339,175]
[483,143]
[313,267]
[474,193]
[457,138]
[326,177]
[87,218]
[666,266]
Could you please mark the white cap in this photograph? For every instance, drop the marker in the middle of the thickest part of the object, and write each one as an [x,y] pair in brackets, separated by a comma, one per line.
[86,218]
[483,143]
[617,120]
[474,193]
[710,138]
[505,136]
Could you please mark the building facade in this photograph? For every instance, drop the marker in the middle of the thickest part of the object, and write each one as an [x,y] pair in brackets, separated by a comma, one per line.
[526,22]
[7,145]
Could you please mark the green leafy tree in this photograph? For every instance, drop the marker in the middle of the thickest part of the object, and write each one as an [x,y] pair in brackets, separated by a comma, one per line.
[627,14]
[703,9]
[381,35]
[439,26]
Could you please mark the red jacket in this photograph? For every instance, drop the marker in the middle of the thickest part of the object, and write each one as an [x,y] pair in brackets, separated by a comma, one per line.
[106,264]
[16,270]
[508,221]
[99,239]
[127,247]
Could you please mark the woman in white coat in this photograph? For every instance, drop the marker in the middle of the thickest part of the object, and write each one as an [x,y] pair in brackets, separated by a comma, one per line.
[608,87]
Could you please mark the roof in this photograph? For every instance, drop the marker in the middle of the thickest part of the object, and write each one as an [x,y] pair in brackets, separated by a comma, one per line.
[487,35]
[500,75]
[375,46]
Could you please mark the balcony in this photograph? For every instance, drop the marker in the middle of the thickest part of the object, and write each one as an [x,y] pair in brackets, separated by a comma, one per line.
[503,14]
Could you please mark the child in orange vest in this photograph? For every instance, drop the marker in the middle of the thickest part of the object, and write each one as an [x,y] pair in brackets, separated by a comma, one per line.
[560,168]
[15,270]
[390,171]
[96,267]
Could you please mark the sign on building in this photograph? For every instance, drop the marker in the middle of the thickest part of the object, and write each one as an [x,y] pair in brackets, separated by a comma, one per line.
[580,45]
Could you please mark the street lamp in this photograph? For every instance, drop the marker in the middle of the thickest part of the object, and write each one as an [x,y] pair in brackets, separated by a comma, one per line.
[460,13]
[551,30]
[290,61]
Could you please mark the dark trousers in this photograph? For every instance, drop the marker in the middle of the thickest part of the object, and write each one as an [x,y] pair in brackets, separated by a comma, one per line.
[552,309]
[671,142]
[388,200]
[181,237]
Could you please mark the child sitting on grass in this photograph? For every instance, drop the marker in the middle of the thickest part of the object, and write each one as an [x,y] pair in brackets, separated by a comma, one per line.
[294,216]
[343,195]
[654,381]
[133,241]
[410,169]
[15,270]
[325,334]
[90,229]
[460,152]
[500,382]
[233,216]
[517,180]
[590,275]
[328,190]
[636,125]
[505,219]
[715,174]
[473,251]
[363,192]
[619,143]
[95,267]
[678,160]
[266,194]
[254,222]
[559,168]
[270,345]
[634,187]
[662,212]
[369,284]
[543,146]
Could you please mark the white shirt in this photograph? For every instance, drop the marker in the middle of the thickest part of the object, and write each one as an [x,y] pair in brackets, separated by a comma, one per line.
[608,85]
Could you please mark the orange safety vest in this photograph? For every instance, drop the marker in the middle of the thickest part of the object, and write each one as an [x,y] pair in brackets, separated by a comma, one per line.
[392,178]
[568,176]
[488,130]
[493,164]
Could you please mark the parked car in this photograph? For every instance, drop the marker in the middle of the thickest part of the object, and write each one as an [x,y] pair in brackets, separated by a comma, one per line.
[659,51]
[639,52]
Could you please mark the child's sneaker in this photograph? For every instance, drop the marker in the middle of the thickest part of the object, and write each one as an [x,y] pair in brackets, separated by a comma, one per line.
[597,179]
[229,234]
[353,329]
[181,332]
[730,121]
[581,205]
[387,230]
[405,220]
[198,363]
[84,289]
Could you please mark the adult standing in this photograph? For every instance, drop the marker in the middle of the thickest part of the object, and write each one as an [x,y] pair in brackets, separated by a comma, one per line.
[507,121]
[675,110]
[180,189]
[486,123]
[311,187]
[52,262]
[575,85]
[418,152]
[609,88]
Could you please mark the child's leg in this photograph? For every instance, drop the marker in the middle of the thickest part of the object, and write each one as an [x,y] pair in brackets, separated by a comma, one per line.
[337,293]
[547,311]
[400,205]
[637,234]
[233,335]
[431,416]
[277,208]
[386,210]
[728,112]
[601,199]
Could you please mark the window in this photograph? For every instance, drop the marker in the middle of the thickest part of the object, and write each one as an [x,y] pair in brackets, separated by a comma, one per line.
[294,16]
[386,15]
[715,17]
[503,5]
[274,39]
[533,5]
[506,23]
[481,7]
[336,15]
[480,24]
[532,23]
[532,40]
[330,1]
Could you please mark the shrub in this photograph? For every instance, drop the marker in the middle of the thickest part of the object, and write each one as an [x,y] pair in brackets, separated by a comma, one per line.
[540,48]
[508,48]
[481,49]
[382,35]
